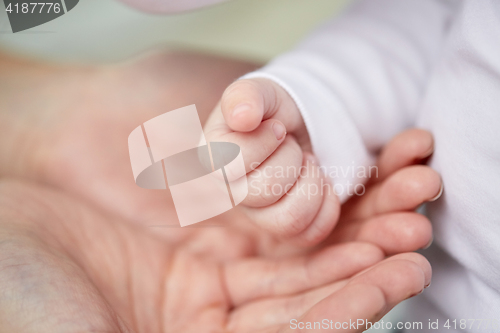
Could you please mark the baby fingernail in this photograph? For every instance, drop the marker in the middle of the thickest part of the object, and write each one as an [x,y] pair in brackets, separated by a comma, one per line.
[240,109]
[279,130]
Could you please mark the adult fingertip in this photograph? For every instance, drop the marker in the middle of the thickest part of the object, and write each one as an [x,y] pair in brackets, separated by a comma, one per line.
[410,147]
[429,243]
[426,142]
[420,261]
[416,142]
[439,194]
[407,188]
[419,143]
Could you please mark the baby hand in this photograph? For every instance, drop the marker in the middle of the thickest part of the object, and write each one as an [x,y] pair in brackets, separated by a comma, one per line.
[288,195]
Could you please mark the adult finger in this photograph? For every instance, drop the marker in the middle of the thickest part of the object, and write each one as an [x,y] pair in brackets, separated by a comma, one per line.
[251,279]
[404,190]
[407,148]
[393,232]
[368,295]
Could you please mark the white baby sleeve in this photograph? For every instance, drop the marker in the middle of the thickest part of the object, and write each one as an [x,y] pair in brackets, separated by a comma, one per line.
[358,80]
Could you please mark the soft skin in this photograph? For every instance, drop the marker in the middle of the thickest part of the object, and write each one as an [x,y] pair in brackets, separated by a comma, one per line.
[78,252]
[66,267]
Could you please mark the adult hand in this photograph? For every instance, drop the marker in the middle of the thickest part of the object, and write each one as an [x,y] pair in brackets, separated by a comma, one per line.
[65,267]
[97,271]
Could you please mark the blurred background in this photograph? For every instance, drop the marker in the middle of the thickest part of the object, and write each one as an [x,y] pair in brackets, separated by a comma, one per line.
[101,31]
[107,31]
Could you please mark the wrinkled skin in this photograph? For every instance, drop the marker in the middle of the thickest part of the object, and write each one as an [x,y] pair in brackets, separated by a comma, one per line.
[77,246]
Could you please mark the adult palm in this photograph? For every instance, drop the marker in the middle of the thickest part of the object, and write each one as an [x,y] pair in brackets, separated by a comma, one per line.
[66,267]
